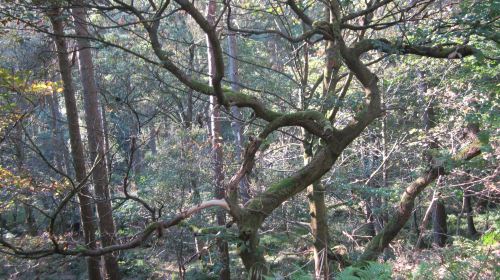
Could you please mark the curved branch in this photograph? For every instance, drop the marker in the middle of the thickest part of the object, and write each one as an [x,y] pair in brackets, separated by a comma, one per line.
[215,46]
[405,206]
[305,18]
[300,38]
[135,242]
[366,11]
[383,45]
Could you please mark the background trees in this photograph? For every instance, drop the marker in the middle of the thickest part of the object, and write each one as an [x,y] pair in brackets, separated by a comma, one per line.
[371,106]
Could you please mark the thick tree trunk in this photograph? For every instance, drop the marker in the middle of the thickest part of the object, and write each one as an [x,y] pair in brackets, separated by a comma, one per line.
[84,196]
[440,229]
[318,222]
[259,207]
[217,150]
[316,191]
[95,138]
[467,207]
[60,135]
[319,229]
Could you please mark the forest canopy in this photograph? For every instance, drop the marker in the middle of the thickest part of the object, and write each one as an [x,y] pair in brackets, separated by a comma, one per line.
[235,139]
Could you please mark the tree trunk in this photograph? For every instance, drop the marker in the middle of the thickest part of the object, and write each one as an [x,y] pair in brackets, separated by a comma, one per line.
[57,141]
[236,122]
[467,205]
[472,131]
[95,138]
[190,101]
[319,229]
[84,196]
[318,222]
[425,221]
[105,128]
[440,229]
[405,207]
[400,217]
[29,219]
[316,191]
[217,152]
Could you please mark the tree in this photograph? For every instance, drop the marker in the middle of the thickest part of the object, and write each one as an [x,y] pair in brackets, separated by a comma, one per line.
[95,134]
[216,135]
[77,149]
[359,42]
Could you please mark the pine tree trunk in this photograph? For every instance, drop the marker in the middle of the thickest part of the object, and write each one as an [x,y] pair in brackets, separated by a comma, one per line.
[95,138]
[84,196]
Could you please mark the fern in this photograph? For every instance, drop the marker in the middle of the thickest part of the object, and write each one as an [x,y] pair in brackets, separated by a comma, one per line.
[372,270]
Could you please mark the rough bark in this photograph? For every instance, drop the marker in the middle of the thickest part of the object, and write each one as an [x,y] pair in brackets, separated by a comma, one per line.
[472,131]
[405,207]
[107,147]
[467,207]
[95,138]
[84,195]
[250,218]
[440,228]
[319,228]
[258,208]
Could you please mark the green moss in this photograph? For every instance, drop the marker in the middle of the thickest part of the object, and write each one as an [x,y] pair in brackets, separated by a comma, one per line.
[281,185]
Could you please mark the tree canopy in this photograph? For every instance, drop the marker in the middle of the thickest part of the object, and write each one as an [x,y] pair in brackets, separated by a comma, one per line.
[249,139]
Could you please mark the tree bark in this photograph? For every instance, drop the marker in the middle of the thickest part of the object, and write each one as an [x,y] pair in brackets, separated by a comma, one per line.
[60,154]
[84,195]
[105,128]
[440,229]
[319,229]
[95,138]
[217,152]
[472,131]
[232,48]
[405,207]
[467,205]
[403,212]
[318,222]
[425,221]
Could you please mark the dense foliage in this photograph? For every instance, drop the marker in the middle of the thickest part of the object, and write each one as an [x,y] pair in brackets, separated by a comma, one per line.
[249,139]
